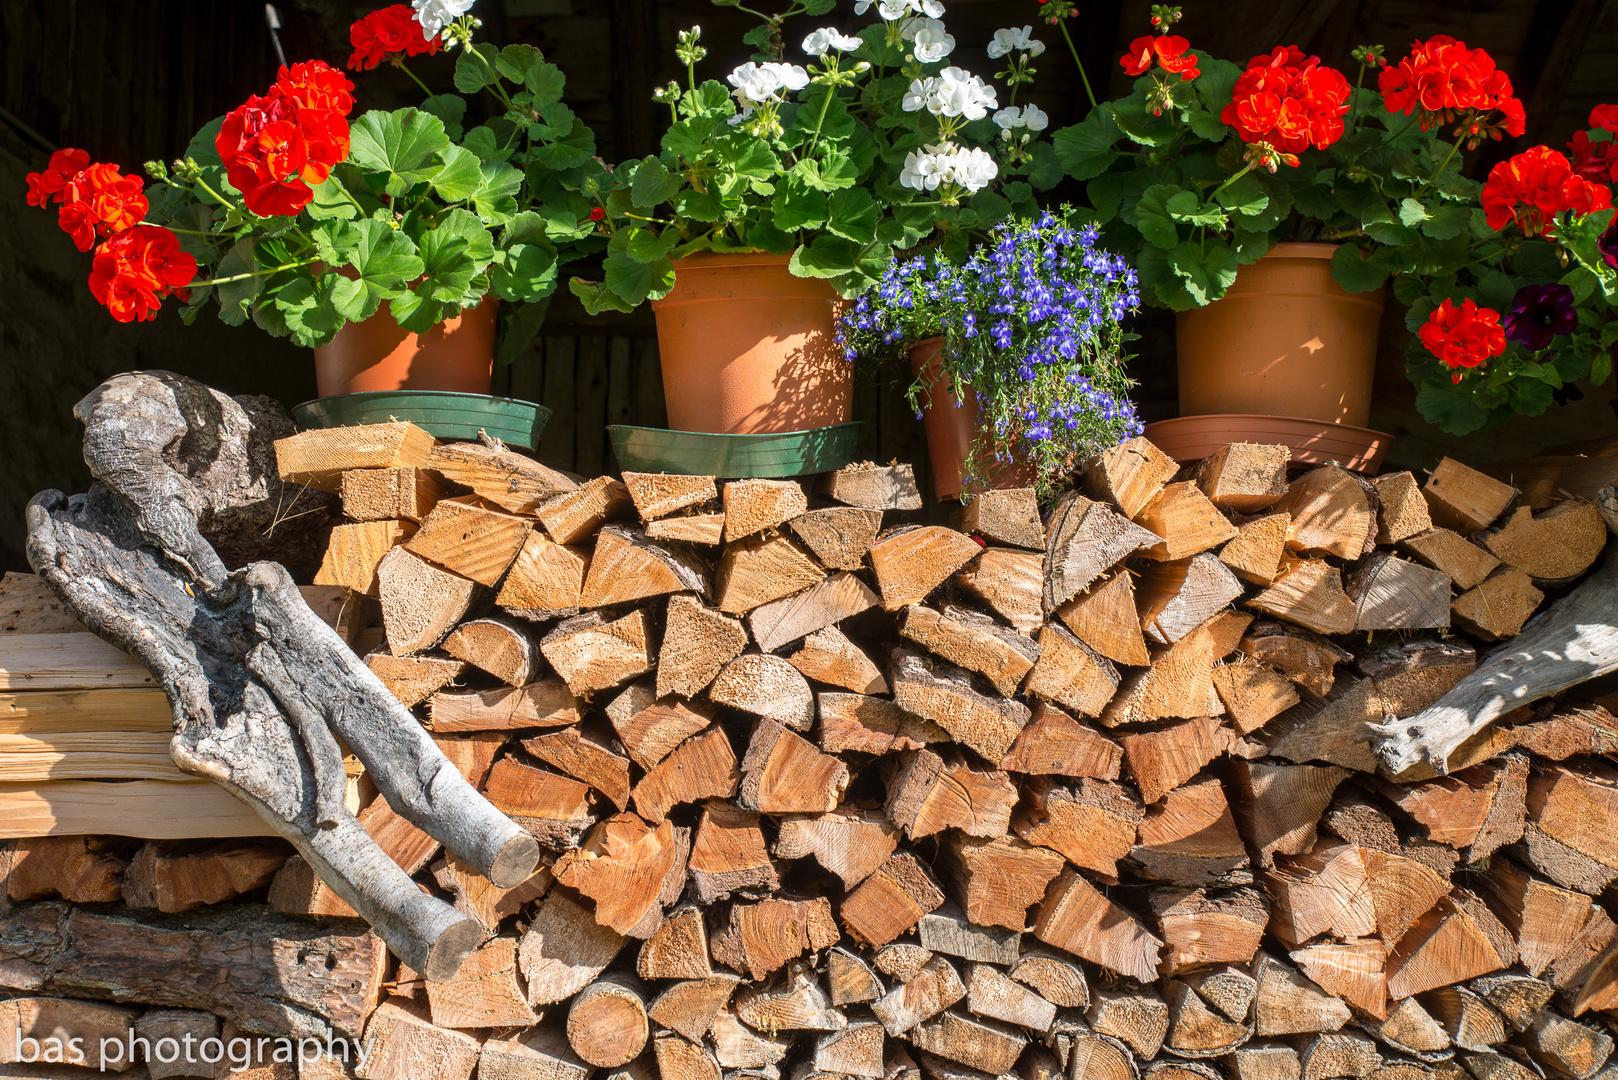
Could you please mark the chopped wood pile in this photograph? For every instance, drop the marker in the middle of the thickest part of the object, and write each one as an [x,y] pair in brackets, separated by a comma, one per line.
[825,792]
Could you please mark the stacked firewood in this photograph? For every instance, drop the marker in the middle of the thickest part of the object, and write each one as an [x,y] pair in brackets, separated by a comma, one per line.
[826,789]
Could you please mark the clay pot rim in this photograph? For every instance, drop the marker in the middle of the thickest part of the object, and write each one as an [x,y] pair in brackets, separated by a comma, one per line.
[774,280]
[1301,249]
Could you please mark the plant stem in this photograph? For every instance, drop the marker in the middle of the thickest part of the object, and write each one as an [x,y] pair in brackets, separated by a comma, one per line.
[251,274]
[1440,170]
[499,90]
[437,105]
[1235,177]
[1402,129]
[814,140]
[203,184]
[1354,104]
[175,229]
[1077,63]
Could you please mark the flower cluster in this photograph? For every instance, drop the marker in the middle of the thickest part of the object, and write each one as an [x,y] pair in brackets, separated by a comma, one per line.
[276,146]
[1031,324]
[1539,313]
[1594,160]
[1443,79]
[390,34]
[1168,50]
[1028,116]
[953,92]
[1011,39]
[929,41]
[97,201]
[827,38]
[1533,187]
[434,15]
[893,10]
[1463,337]
[1288,101]
[950,167]
[134,270]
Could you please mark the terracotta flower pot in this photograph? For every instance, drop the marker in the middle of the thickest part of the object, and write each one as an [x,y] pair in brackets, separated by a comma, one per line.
[1189,439]
[746,347]
[377,354]
[1286,340]
[952,424]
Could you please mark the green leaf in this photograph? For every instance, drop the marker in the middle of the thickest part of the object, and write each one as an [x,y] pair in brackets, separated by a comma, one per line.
[496,198]
[472,74]
[309,309]
[1531,397]
[524,272]
[1045,168]
[825,257]
[1451,407]
[596,297]
[578,147]
[235,296]
[1244,196]
[513,61]
[634,281]
[643,245]
[1216,83]
[1315,200]
[750,157]
[384,258]
[546,82]
[331,201]
[710,97]
[1582,282]
[798,206]
[853,215]
[1379,224]
[1206,273]
[1412,212]
[402,144]
[691,139]
[461,176]
[1085,149]
[449,108]
[1446,221]
[202,150]
[835,170]
[520,325]
[1249,246]
[1139,125]
[1408,289]
[653,183]
[482,141]
[1356,273]
[1206,124]
[1105,193]
[1601,362]
[1152,215]
[1186,207]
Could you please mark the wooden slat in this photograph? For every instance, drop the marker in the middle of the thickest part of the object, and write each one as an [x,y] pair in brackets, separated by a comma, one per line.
[87,755]
[42,714]
[148,809]
[66,662]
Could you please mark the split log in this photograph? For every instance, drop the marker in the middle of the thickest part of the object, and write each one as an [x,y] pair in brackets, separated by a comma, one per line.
[470,540]
[1572,731]
[594,653]
[702,767]
[1185,522]
[678,1059]
[928,793]
[1179,684]
[498,646]
[399,1040]
[1555,547]
[756,939]
[414,679]
[1076,917]
[911,561]
[1069,673]
[1167,756]
[1402,509]
[851,981]
[1244,477]
[78,1034]
[1576,629]
[752,506]
[1092,823]
[762,569]
[1195,1029]
[982,1045]
[1464,499]
[697,643]
[606,1024]
[405,492]
[942,693]
[839,536]
[540,1053]
[355,551]
[1393,594]
[1053,743]
[1518,998]
[1337,1053]
[1480,809]
[848,842]
[728,855]
[931,990]
[1569,825]
[585,756]
[564,949]
[890,901]
[554,809]
[1307,659]
[784,774]
[79,869]
[1177,597]
[1105,618]
[509,480]
[1005,515]
[1498,608]
[1266,1061]
[484,993]
[1286,1003]
[872,487]
[174,876]
[1466,563]
[1278,806]
[576,515]
[420,602]
[1309,593]
[1322,891]
[622,866]
[625,567]
[971,641]
[1190,837]
[1253,694]
[1332,513]
[947,931]
[1547,922]
[996,880]
[183,1027]
[738,1046]
[1472,1023]
[1403,889]
[1086,539]
[1139,1020]
[1228,989]
[1094,1055]
[1202,928]
[1011,582]
[691,1007]
[650,730]
[707,530]
[1254,553]
[678,949]
[546,703]
[872,725]
[657,495]
[792,618]
[1055,977]
[1458,939]
[318,458]
[901,962]
[828,656]
[1130,474]
[487,903]
[1328,729]
[1352,970]
[545,581]
[854,1051]
[1566,1046]
[766,686]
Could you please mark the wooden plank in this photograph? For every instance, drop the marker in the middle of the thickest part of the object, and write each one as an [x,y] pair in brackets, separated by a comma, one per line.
[66,662]
[148,809]
[556,442]
[87,755]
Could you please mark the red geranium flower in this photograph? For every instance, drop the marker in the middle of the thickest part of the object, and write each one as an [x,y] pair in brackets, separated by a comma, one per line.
[315,84]
[62,168]
[1168,49]
[98,202]
[1597,161]
[134,270]
[1288,101]
[276,146]
[1463,337]
[1604,117]
[1442,78]
[390,34]
[1534,186]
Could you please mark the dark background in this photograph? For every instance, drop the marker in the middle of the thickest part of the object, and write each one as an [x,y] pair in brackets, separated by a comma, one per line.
[132,80]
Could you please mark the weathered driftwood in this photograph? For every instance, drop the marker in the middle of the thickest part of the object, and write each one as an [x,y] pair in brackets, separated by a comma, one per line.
[1573,641]
[261,689]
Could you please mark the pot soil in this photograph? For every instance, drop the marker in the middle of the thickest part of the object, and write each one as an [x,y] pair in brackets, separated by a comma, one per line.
[748,348]
[377,354]
[952,424]
[1286,340]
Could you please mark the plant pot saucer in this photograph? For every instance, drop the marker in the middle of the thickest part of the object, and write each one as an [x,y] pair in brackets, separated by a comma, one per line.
[1313,442]
[445,414]
[771,454]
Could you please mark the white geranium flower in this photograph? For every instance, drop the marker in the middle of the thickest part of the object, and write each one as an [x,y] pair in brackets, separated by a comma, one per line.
[893,9]
[1034,118]
[1013,40]
[790,76]
[919,94]
[435,14]
[754,83]
[828,38]
[862,6]
[1009,118]
[971,169]
[929,40]
[742,117]
[960,93]
[924,172]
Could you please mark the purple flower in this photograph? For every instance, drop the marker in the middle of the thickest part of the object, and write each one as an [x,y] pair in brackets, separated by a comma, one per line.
[1540,312]
[1608,244]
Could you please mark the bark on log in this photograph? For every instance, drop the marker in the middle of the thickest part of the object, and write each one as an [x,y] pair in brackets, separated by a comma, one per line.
[261,689]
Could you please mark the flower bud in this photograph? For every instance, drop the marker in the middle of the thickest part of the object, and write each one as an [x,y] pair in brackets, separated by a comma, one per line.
[157,170]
